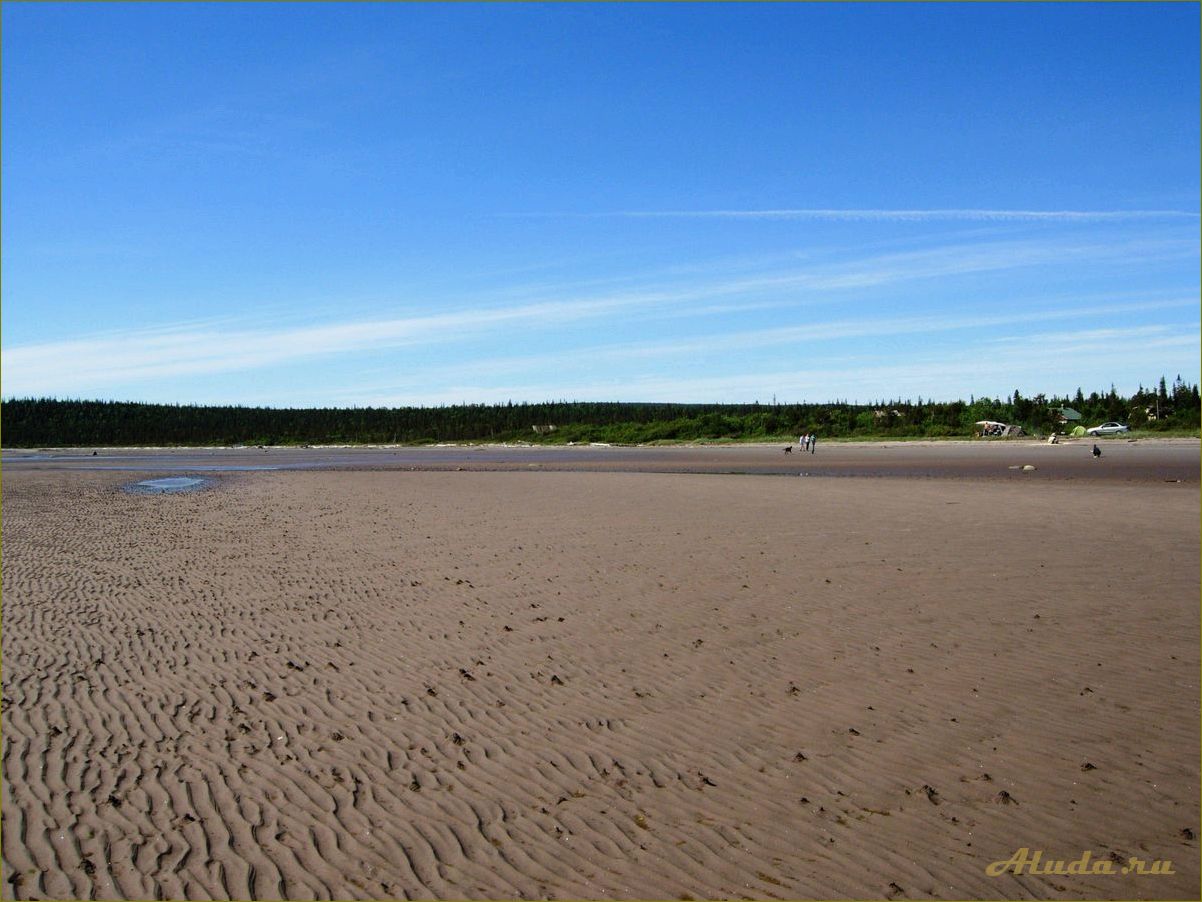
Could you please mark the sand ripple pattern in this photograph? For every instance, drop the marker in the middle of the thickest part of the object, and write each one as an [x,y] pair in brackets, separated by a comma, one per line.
[316,685]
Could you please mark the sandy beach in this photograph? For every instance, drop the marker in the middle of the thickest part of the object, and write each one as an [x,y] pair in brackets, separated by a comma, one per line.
[487,683]
[1123,460]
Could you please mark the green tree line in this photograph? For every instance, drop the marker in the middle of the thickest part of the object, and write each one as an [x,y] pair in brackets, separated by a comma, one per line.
[49,422]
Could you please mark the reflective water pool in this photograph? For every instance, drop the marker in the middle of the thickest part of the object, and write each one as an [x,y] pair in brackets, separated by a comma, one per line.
[169,484]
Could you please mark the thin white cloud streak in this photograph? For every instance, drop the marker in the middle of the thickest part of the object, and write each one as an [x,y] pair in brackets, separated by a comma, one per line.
[1184,333]
[80,366]
[1047,367]
[954,261]
[922,325]
[854,215]
[730,343]
[152,354]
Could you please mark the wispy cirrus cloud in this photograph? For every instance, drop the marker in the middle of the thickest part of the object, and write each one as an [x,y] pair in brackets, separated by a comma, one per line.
[882,215]
[1056,366]
[174,351]
[803,338]
[889,326]
[81,366]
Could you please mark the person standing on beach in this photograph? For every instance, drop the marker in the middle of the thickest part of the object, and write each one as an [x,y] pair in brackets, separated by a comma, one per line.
[813,442]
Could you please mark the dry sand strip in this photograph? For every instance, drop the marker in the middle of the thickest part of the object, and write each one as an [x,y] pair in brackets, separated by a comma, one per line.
[596,685]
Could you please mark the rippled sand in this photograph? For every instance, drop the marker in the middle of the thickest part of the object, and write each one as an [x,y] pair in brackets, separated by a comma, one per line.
[580,685]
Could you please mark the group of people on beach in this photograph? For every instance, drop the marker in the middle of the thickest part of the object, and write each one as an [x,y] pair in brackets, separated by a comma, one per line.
[807,442]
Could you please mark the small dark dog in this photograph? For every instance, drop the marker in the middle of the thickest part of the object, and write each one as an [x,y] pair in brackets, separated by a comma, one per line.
[789,450]
[1097,452]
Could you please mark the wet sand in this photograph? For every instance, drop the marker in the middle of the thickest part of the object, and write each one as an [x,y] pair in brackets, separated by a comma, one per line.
[1123,460]
[394,683]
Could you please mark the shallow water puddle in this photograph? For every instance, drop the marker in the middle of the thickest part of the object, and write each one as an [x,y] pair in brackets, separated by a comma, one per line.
[168,484]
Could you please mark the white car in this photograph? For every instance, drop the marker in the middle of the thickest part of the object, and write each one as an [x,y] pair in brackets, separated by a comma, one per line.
[1108,429]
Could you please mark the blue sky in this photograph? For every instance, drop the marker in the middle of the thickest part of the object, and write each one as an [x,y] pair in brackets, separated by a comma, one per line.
[342,204]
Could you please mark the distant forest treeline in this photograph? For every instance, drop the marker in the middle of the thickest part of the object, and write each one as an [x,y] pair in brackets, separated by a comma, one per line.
[26,423]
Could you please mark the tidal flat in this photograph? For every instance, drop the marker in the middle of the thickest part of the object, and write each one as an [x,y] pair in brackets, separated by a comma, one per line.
[463,682]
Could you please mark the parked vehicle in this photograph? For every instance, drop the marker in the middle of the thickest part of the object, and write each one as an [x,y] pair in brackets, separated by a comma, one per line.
[1108,429]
